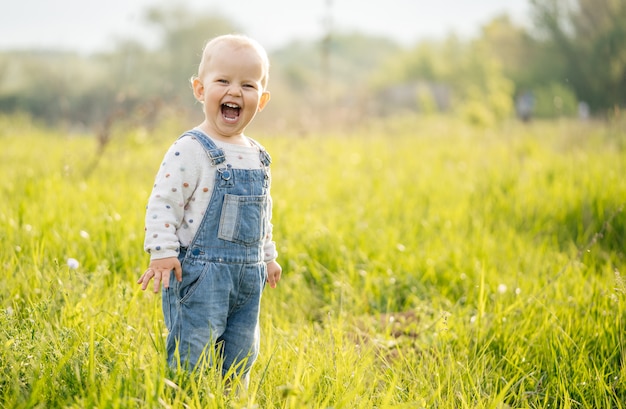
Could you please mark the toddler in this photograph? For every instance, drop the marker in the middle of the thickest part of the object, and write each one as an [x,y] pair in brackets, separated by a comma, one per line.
[208,229]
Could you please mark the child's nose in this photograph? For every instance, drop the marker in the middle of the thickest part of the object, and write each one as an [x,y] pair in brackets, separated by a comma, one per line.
[234,90]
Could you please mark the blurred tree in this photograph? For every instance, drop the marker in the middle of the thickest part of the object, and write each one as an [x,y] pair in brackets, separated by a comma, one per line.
[486,93]
[47,85]
[425,61]
[129,84]
[554,100]
[183,35]
[415,80]
[576,51]
[524,59]
[590,36]
[464,77]
[340,93]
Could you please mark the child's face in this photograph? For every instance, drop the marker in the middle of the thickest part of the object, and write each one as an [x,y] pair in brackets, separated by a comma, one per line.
[231,90]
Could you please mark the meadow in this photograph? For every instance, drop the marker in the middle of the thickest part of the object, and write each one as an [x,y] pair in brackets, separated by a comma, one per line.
[426,264]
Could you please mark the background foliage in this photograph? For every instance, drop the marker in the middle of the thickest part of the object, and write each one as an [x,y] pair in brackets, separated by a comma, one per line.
[574,52]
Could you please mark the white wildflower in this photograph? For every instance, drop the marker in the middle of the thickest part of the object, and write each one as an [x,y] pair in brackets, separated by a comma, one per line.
[72,263]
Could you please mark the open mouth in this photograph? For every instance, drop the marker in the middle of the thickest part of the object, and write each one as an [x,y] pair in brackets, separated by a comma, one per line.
[230,111]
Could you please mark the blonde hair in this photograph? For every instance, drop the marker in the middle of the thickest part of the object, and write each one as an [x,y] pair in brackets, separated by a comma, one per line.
[237,40]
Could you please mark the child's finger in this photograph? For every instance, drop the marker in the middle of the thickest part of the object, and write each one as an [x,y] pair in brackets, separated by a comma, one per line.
[178,272]
[271,279]
[166,279]
[145,278]
[157,281]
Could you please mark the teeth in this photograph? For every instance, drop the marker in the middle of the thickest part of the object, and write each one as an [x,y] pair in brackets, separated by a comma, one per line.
[230,105]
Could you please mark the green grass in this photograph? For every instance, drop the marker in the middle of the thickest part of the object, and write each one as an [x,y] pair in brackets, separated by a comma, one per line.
[427,264]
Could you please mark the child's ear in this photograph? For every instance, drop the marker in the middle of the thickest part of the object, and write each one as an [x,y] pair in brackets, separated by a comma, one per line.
[198,89]
[265,98]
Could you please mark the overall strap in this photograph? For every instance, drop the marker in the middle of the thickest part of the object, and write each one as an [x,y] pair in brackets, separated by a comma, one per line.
[216,154]
[266,159]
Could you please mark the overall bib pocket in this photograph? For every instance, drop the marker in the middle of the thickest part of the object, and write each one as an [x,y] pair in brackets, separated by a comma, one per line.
[243,219]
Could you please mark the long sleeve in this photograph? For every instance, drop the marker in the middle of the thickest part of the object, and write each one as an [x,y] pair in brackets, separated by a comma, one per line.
[269,246]
[170,207]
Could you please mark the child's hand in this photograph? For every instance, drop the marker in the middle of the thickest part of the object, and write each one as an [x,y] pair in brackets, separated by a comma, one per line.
[274,270]
[160,270]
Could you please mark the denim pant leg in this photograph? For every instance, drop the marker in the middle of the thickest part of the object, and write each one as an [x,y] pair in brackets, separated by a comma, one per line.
[241,337]
[198,309]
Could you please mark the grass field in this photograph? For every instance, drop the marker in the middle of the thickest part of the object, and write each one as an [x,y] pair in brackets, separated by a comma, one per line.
[427,264]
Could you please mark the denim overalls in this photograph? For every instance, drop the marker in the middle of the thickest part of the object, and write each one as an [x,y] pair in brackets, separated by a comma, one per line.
[216,306]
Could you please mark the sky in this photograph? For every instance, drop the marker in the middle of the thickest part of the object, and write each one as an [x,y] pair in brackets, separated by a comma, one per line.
[88,26]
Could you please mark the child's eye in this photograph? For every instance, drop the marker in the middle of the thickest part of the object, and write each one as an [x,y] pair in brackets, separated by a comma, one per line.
[222,81]
[249,86]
